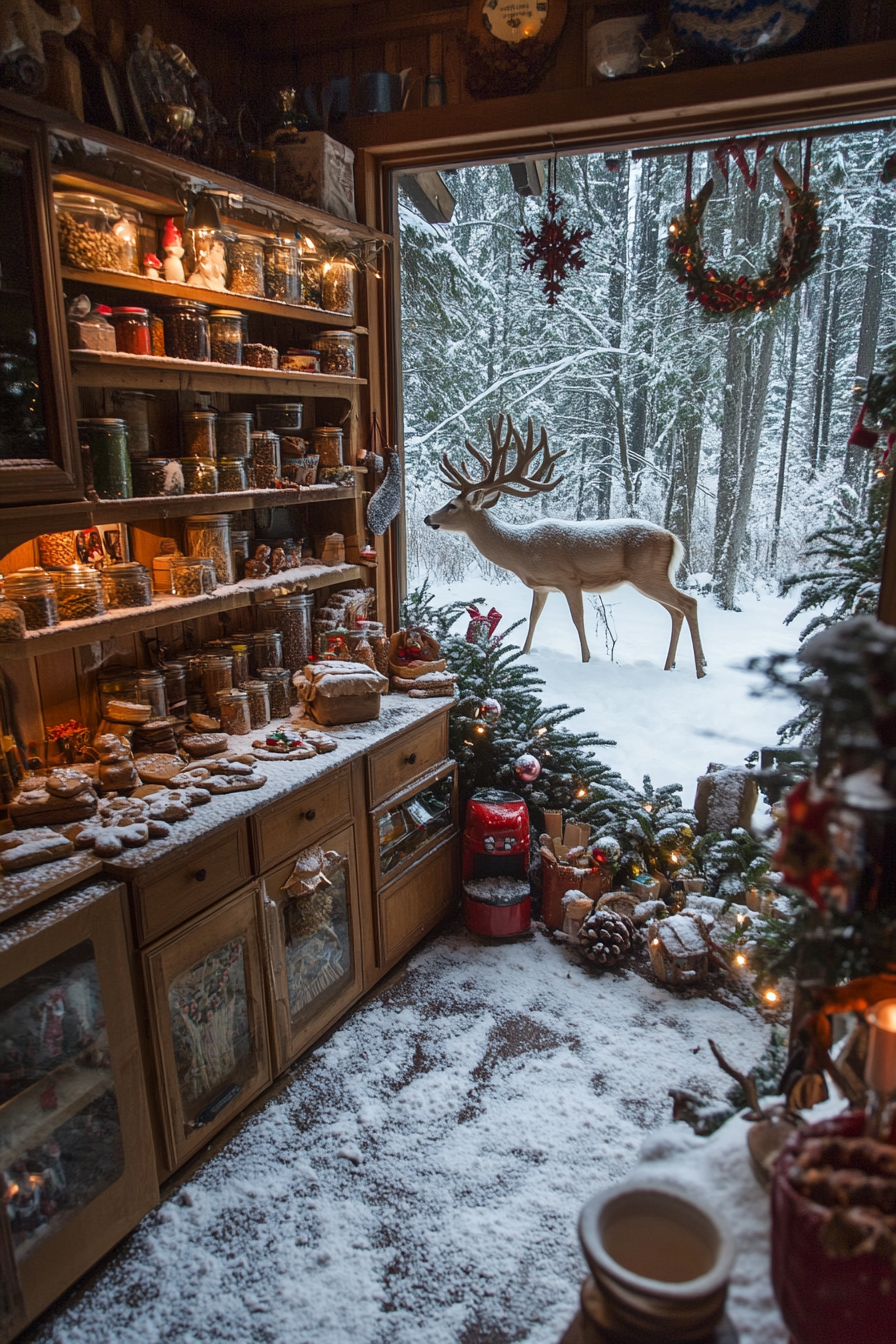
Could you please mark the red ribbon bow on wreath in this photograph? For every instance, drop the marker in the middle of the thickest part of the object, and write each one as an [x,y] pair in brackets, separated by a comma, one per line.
[732,149]
[492,620]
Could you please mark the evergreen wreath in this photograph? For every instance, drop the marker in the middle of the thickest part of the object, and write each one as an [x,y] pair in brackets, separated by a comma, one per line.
[721,294]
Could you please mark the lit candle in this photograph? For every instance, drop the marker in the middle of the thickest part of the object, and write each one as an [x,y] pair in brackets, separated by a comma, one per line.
[880,1063]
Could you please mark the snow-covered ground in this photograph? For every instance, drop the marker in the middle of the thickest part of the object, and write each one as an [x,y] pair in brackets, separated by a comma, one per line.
[667,725]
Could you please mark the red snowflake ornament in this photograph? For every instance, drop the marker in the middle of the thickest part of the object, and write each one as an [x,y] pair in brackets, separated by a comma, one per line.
[556,249]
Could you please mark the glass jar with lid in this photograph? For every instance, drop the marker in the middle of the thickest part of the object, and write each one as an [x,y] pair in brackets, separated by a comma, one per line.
[175,674]
[200,475]
[292,617]
[259,703]
[277,680]
[281,270]
[326,444]
[233,709]
[186,329]
[225,334]
[231,473]
[217,676]
[118,683]
[241,546]
[32,590]
[157,477]
[126,231]
[104,444]
[280,415]
[79,593]
[245,257]
[132,331]
[86,239]
[379,643]
[311,274]
[265,459]
[337,287]
[133,407]
[57,550]
[209,536]
[338,353]
[12,622]
[265,648]
[240,655]
[197,432]
[192,575]
[233,434]
[151,691]
[127,585]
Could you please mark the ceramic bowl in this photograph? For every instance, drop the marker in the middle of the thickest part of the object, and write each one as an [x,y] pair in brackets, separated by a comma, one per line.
[740,27]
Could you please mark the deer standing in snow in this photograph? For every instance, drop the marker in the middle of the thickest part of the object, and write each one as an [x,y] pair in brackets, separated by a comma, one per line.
[554,556]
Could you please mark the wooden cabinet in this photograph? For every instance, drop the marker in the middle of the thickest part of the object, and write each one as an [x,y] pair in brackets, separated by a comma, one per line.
[207,1021]
[415,902]
[394,765]
[412,821]
[168,895]
[75,1140]
[304,817]
[313,939]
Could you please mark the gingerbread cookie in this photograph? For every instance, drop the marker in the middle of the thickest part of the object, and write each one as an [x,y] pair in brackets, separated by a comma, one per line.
[158,767]
[204,744]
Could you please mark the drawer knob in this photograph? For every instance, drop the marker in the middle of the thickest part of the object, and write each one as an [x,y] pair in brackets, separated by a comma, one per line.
[412,759]
[200,875]
[310,814]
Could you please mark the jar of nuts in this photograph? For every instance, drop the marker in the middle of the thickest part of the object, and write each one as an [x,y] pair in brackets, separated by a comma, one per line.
[245,257]
[265,459]
[232,434]
[32,590]
[186,329]
[233,708]
[57,549]
[127,585]
[79,593]
[86,240]
[338,353]
[12,625]
[281,270]
[191,576]
[231,473]
[259,704]
[278,682]
[338,287]
[225,334]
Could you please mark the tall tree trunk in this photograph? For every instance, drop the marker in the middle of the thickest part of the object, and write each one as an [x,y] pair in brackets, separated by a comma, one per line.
[830,366]
[821,349]
[618,224]
[785,432]
[855,462]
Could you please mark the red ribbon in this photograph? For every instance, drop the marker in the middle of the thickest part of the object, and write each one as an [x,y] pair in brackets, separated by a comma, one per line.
[732,149]
[492,620]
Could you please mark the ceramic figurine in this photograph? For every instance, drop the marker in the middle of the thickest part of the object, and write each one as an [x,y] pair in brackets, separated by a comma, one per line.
[258,567]
[172,246]
[152,267]
[211,266]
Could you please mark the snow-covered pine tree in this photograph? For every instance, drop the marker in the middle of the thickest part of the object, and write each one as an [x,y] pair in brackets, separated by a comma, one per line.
[732,864]
[654,829]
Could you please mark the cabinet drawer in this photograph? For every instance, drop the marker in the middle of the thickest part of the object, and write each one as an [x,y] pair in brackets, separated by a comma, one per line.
[416,902]
[391,767]
[303,818]
[210,871]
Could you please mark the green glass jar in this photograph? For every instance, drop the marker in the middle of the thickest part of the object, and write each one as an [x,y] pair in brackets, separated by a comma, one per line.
[200,476]
[105,443]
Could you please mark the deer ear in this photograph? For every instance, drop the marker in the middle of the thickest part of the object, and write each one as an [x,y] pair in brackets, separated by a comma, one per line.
[488,501]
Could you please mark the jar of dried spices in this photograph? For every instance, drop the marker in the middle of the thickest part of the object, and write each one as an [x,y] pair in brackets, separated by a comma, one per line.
[209,536]
[12,624]
[281,270]
[337,287]
[161,565]
[265,459]
[186,329]
[191,576]
[233,708]
[132,331]
[157,333]
[106,443]
[79,593]
[127,585]
[231,473]
[225,327]
[277,680]
[326,442]
[232,434]
[197,431]
[200,476]
[32,590]
[245,257]
[338,353]
[155,477]
[259,703]
[217,676]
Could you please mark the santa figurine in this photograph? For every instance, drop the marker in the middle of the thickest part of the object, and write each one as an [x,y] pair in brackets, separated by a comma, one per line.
[172,246]
[152,267]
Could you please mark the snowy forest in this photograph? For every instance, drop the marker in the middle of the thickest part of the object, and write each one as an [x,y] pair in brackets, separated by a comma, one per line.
[731,433]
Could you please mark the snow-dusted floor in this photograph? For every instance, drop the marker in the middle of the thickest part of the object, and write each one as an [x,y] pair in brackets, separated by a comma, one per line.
[667,725]
[419,1180]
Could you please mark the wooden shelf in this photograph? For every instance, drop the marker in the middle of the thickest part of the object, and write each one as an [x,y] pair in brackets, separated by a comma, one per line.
[96,368]
[25,1123]
[296,312]
[166,610]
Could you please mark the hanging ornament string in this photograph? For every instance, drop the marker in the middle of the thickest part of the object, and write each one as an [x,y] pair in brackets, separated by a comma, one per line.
[721,293]
[555,249]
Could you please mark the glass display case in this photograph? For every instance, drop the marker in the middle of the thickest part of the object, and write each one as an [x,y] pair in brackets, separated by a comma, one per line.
[38,460]
[410,824]
[205,986]
[76,1162]
[312,925]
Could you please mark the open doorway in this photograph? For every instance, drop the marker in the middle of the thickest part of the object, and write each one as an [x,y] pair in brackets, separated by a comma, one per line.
[733,434]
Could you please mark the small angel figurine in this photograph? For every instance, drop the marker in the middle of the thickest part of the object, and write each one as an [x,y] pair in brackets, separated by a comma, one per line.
[152,267]
[258,567]
[211,265]
[172,246]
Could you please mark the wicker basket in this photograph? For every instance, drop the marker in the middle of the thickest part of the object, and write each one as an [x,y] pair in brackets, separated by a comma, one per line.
[429,646]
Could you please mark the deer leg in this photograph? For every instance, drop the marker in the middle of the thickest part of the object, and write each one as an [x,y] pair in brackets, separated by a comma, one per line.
[539,597]
[662,590]
[677,622]
[577,612]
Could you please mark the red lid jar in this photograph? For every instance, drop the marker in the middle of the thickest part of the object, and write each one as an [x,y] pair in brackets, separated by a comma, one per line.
[132,331]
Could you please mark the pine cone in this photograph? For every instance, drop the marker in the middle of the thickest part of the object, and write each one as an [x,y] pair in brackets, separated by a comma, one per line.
[605,937]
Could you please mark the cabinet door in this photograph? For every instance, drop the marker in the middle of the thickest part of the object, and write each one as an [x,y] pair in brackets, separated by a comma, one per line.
[414,903]
[406,827]
[313,940]
[38,457]
[75,1142]
[204,985]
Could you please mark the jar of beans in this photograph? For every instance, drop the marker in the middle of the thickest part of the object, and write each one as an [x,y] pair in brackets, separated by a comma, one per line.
[277,680]
[337,287]
[280,415]
[265,648]
[240,545]
[217,676]
[259,703]
[225,328]
[200,476]
[197,431]
[257,356]
[245,257]
[293,619]
[233,708]
[12,625]
[281,270]
[186,329]
[79,593]
[57,549]
[192,575]
[231,473]
[127,585]
[338,353]
[156,477]
[265,459]
[132,331]
[104,443]
[209,536]
[233,434]
[326,442]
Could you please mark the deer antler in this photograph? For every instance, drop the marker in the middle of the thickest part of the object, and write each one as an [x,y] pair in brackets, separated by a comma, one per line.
[522,480]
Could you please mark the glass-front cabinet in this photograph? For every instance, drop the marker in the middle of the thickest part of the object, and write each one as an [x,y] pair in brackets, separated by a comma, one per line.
[208,1030]
[76,1163]
[313,940]
[38,458]
[409,825]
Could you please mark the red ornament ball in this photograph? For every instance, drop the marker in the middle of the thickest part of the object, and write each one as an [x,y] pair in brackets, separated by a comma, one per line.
[527,768]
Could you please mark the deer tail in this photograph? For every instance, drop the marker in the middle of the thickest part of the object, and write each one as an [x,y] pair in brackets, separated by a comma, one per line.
[676,558]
